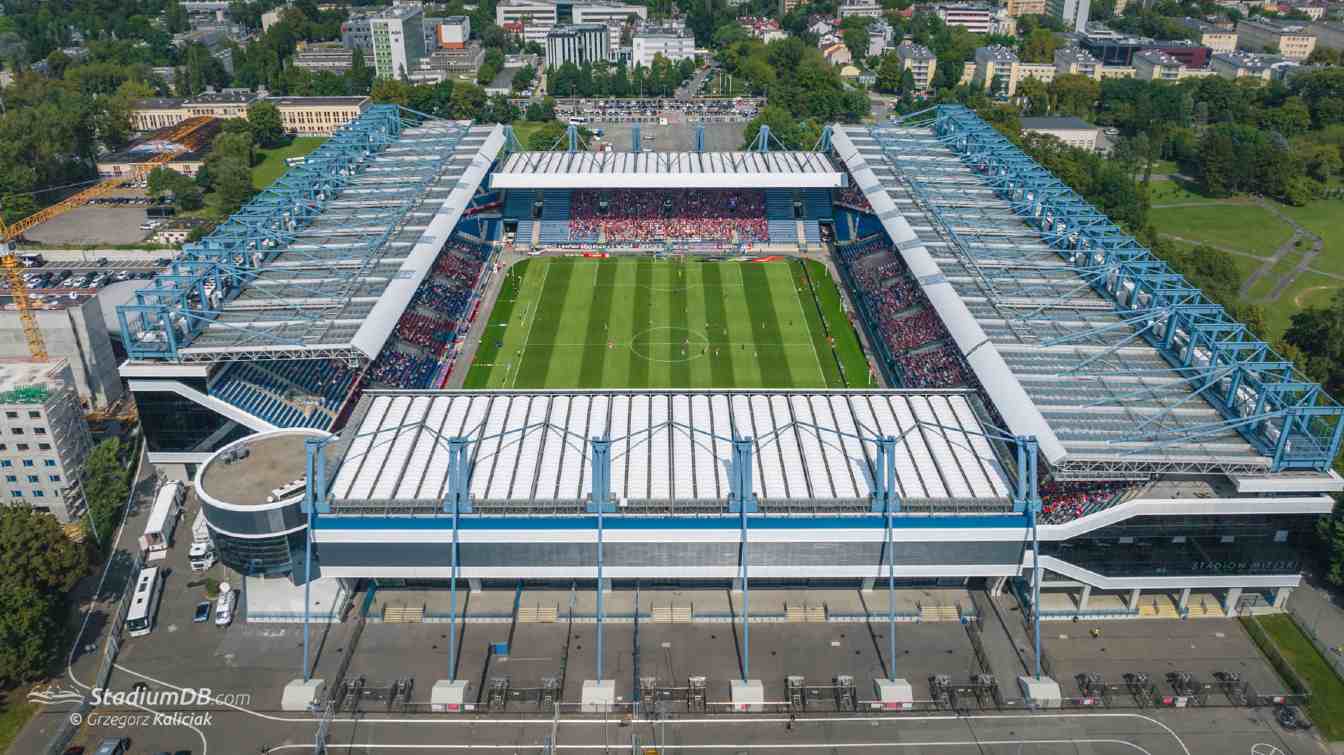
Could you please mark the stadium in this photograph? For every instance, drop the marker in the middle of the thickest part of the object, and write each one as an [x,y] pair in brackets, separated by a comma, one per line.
[909,357]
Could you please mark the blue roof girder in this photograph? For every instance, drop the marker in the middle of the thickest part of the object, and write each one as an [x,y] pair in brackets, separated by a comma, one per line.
[1294,422]
[258,231]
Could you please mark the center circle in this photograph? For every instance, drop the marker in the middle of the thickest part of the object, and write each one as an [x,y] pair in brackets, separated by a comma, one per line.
[695,343]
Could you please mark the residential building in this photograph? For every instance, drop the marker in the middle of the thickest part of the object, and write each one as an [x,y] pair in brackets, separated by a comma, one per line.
[973,17]
[44,439]
[1072,13]
[1074,132]
[787,6]
[837,54]
[1329,34]
[534,18]
[1043,72]
[1215,38]
[864,8]
[332,58]
[672,42]
[1076,61]
[1003,23]
[1155,65]
[579,44]
[1313,9]
[1239,64]
[1017,8]
[272,17]
[1293,41]
[919,61]
[765,29]
[995,70]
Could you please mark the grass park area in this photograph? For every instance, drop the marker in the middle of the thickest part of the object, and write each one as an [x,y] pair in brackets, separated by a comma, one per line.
[637,322]
[272,164]
[14,714]
[1252,234]
[1327,689]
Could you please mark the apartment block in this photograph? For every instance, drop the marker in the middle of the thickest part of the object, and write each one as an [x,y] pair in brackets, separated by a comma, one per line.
[919,61]
[44,439]
[1215,38]
[1293,41]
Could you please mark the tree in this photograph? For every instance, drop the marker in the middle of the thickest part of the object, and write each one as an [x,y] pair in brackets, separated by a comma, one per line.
[551,136]
[38,566]
[391,91]
[106,484]
[1034,95]
[1039,47]
[359,75]
[856,40]
[232,184]
[539,111]
[889,74]
[264,118]
[523,78]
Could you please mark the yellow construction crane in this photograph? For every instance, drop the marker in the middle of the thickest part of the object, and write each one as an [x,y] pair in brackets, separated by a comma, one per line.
[185,137]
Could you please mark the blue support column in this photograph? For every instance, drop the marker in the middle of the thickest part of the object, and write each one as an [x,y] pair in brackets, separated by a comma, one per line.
[699,137]
[456,501]
[1033,505]
[572,137]
[314,499]
[742,499]
[634,139]
[601,503]
[762,139]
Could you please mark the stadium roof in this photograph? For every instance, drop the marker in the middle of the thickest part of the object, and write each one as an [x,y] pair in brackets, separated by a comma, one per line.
[1058,356]
[670,451]
[326,259]
[666,170]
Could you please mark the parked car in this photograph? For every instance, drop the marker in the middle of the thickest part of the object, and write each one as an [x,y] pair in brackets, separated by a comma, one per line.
[202,614]
[113,746]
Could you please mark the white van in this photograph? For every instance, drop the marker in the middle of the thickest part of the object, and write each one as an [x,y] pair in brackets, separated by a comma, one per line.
[228,599]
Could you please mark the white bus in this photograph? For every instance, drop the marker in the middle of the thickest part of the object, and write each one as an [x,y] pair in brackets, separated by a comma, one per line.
[145,602]
[158,535]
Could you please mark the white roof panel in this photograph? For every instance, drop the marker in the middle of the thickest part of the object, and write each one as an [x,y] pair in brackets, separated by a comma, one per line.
[667,170]
[666,445]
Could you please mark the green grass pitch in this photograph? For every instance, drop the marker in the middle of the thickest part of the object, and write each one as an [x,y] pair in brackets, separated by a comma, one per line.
[638,322]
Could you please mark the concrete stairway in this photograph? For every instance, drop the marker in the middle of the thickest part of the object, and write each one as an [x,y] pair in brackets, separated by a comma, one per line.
[939,613]
[403,614]
[538,614]
[805,614]
[673,614]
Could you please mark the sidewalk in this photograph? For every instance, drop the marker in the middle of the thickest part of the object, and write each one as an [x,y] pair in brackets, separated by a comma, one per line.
[1319,613]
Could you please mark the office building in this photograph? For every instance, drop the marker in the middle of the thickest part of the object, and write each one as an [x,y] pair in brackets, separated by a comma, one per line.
[1114,49]
[330,58]
[44,439]
[672,42]
[398,40]
[532,19]
[579,44]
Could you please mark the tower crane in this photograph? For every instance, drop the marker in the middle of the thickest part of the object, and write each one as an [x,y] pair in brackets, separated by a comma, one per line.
[185,137]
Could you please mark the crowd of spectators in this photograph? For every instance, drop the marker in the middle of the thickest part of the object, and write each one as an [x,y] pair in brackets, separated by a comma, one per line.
[430,333]
[940,367]
[854,252]
[633,215]
[1064,501]
[851,196]
[912,331]
[399,369]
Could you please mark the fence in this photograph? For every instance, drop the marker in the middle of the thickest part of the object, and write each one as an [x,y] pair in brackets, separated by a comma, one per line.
[1331,655]
[1271,651]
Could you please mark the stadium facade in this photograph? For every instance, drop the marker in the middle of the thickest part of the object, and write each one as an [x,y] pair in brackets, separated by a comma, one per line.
[1084,395]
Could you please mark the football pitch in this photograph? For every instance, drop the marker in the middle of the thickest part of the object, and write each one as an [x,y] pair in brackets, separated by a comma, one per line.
[638,322]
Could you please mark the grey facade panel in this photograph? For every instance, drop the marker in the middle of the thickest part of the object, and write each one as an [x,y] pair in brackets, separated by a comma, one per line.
[671,555]
[255,523]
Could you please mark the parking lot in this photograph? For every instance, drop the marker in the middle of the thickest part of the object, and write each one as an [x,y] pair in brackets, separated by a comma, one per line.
[1156,647]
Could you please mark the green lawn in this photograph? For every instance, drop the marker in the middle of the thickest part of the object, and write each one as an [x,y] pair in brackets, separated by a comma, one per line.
[1327,690]
[14,714]
[1325,218]
[1241,226]
[636,322]
[272,164]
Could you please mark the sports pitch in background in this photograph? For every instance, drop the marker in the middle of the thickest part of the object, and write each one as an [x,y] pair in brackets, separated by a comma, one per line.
[638,322]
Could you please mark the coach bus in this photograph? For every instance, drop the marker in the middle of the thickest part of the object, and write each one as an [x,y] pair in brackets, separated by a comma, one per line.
[145,602]
[163,517]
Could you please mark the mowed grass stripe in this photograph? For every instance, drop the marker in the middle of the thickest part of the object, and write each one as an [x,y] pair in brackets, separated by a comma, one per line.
[598,335]
[771,357]
[487,366]
[641,316]
[807,301]
[793,329]
[679,318]
[721,366]
[545,327]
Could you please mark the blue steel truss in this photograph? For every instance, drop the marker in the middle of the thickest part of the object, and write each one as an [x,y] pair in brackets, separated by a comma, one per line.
[1282,414]
[193,294]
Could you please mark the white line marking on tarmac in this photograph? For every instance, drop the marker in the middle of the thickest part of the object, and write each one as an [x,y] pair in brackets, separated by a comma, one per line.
[734,747]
